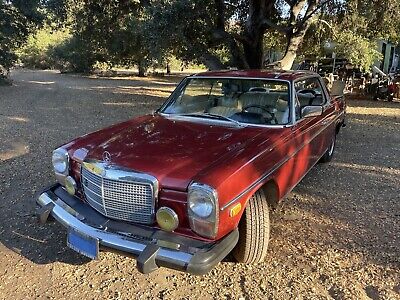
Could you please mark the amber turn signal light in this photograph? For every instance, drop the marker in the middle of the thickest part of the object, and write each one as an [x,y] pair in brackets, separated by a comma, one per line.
[235,210]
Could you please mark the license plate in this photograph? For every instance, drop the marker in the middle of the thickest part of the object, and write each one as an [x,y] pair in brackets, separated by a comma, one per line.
[83,244]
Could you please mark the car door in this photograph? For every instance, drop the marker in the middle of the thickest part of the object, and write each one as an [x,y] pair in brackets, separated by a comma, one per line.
[309,134]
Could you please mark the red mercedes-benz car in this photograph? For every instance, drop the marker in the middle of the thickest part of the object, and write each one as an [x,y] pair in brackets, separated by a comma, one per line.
[185,186]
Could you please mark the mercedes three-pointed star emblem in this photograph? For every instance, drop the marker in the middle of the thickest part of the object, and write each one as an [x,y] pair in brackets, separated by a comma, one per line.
[106,157]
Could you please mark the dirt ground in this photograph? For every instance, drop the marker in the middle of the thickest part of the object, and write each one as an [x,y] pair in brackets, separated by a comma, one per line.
[337,235]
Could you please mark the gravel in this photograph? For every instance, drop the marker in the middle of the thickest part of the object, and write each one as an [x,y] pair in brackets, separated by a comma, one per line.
[336,236]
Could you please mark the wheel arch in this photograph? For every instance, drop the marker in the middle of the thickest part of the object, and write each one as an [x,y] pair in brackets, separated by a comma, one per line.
[271,191]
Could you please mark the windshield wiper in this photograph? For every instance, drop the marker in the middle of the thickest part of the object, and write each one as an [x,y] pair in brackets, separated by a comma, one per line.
[213,116]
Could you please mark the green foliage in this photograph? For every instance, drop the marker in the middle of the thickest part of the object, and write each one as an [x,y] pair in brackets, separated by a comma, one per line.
[18,18]
[39,49]
[105,31]
[73,55]
[359,50]
[169,30]
[373,19]
[217,33]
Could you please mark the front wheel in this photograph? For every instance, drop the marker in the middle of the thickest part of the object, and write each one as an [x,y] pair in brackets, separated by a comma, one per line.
[327,157]
[254,230]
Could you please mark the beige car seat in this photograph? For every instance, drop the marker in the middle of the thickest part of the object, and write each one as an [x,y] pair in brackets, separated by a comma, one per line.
[223,111]
[282,111]
[227,105]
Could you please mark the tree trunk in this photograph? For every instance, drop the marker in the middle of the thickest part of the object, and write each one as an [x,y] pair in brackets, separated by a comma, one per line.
[293,44]
[211,62]
[142,69]
[294,41]
[254,51]
[295,37]
[253,46]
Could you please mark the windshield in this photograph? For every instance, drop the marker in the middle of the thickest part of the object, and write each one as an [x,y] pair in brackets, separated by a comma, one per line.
[252,101]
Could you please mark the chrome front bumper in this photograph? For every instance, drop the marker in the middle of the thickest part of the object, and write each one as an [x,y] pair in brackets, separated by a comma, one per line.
[152,248]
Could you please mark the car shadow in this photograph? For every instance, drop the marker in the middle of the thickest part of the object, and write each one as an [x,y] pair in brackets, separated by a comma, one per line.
[351,204]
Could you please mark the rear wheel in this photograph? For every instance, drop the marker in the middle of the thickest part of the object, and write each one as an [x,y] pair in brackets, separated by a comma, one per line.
[329,153]
[254,230]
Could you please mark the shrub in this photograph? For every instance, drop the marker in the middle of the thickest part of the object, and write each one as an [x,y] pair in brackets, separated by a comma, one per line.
[37,51]
[73,55]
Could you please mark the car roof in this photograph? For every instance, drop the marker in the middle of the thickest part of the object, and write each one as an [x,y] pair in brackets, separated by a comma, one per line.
[267,74]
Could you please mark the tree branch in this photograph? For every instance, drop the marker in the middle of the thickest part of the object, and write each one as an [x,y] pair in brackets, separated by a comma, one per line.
[266,23]
[309,14]
[211,61]
[220,7]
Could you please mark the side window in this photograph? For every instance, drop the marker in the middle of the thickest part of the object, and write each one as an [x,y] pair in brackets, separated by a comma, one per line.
[309,92]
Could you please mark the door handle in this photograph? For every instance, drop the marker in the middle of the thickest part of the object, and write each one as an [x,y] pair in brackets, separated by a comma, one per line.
[324,122]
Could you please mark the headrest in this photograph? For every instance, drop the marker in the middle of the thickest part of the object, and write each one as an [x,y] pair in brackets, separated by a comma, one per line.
[234,88]
[230,88]
[258,90]
[281,105]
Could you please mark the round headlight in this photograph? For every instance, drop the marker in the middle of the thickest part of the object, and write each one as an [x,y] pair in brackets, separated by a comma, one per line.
[167,218]
[203,209]
[60,161]
[201,200]
[200,204]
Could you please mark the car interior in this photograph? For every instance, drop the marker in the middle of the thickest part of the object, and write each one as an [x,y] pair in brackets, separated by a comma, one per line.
[239,101]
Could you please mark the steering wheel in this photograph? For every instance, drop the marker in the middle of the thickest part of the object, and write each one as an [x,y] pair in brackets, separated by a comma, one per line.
[270,110]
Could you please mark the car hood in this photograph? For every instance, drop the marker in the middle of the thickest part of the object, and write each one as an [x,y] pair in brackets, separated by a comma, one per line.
[172,150]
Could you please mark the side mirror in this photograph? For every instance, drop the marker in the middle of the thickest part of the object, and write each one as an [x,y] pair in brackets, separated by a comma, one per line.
[311,111]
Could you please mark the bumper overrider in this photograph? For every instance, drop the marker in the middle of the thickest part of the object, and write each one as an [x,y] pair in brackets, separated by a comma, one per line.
[152,248]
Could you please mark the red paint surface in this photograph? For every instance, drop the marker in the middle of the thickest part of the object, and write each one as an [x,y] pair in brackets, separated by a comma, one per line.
[230,159]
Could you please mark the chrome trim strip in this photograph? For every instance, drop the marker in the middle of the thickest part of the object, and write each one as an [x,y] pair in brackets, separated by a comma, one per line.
[92,182]
[102,195]
[109,239]
[239,78]
[265,176]
[258,181]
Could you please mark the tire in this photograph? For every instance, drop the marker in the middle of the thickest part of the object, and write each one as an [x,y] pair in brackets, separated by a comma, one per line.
[327,157]
[254,228]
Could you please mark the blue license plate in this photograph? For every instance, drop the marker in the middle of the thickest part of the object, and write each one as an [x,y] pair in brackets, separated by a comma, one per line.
[83,244]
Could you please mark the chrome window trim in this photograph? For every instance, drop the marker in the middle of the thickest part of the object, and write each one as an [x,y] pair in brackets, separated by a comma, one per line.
[182,83]
[319,78]
[327,98]
[240,78]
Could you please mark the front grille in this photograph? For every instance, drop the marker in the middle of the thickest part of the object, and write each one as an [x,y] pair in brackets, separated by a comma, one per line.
[131,201]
